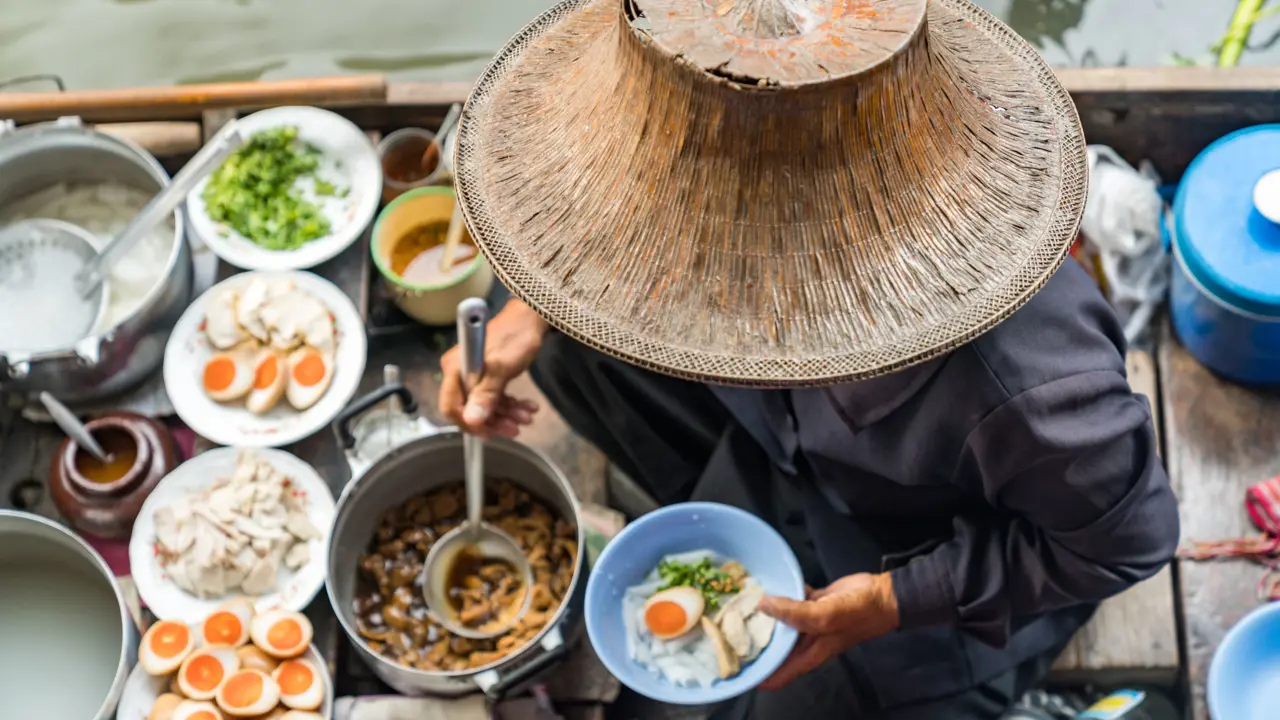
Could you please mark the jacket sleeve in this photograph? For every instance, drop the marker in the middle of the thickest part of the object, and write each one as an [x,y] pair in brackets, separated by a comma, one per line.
[1080,510]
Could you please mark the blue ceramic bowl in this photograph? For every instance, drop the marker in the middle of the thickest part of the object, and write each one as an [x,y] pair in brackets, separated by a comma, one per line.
[1244,678]
[635,552]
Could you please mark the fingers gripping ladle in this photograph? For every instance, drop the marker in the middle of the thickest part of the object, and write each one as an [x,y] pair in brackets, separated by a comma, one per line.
[474,537]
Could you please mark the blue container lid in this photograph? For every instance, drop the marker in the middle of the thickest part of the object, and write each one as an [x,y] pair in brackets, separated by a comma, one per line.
[1227,245]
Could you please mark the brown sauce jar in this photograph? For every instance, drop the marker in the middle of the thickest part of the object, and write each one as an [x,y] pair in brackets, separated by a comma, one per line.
[104,499]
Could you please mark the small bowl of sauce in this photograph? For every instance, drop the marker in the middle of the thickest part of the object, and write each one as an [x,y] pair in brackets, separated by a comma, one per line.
[410,159]
[103,498]
[408,247]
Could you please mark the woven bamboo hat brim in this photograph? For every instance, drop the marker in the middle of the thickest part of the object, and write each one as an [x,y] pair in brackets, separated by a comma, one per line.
[771,192]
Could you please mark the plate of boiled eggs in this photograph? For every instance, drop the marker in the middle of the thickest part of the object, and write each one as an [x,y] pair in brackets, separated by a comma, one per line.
[233,664]
[265,359]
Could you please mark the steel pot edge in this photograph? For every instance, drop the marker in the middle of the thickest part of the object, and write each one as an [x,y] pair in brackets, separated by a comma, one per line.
[129,632]
[107,363]
[546,649]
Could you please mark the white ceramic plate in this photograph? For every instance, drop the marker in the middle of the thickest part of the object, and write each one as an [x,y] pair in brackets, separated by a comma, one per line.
[141,690]
[349,160]
[232,423]
[294,589]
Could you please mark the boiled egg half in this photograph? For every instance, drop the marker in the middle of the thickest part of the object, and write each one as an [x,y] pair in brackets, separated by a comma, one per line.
[229,375]
[281,633]
[253,658]
[673,612]
[300,685]
[228,624]
[310,372]
[204,670]
[248,693]
[164,646]
[196,710]
[269,381]
[164,706]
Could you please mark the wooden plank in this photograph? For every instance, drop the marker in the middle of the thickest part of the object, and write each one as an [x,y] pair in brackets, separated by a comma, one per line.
[1133,637]
[1168,115]
[158,138]
[1221,438]
[188,101]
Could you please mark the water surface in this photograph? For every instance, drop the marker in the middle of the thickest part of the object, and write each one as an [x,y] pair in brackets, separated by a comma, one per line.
[119,43]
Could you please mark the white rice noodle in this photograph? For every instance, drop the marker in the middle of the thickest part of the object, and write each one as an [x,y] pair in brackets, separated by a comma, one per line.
[104,209]
[686,661]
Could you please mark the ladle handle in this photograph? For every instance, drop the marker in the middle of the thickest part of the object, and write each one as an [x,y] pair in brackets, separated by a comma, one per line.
[162,205]
[72,426]
[473,314]
[450,118]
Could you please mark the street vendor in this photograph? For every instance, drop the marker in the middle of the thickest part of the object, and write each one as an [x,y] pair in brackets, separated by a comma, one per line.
[808,260]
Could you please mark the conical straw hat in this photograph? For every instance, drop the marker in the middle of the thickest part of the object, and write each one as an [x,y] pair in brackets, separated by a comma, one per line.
[771,192]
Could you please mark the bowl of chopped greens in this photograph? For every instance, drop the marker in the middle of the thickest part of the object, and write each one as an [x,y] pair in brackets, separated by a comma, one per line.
[302,189]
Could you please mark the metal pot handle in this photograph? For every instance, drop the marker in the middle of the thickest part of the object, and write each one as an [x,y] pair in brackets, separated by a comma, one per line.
[342,424]
[17,365]
[496,684]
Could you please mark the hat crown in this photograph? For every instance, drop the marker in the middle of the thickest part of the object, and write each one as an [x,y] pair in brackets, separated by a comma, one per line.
[781,42]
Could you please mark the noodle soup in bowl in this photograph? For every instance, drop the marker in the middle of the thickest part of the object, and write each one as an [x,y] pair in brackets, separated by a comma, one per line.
[659,597]
[408,246]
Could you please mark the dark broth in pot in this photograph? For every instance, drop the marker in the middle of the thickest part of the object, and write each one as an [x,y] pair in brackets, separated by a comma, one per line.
[391,613]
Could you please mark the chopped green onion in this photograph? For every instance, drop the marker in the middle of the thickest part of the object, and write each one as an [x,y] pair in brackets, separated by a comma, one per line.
[254,192]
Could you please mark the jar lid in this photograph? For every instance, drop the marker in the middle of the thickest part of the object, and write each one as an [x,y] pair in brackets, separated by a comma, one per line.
[1227,215]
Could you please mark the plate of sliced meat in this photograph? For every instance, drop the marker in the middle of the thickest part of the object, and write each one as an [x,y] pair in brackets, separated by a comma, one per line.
[231,523]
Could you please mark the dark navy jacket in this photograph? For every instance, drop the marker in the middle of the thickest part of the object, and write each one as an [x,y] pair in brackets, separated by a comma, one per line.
[1012,484]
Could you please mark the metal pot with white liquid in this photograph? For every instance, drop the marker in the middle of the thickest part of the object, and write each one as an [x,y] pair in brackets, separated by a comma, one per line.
[67,640]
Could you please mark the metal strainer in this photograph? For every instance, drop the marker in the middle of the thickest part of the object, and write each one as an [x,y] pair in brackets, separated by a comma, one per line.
[52,273]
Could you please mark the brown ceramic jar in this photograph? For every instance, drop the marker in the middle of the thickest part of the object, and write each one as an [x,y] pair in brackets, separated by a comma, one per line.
[108,509]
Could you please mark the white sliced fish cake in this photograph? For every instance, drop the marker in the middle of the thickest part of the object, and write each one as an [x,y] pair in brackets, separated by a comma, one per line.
[220,324]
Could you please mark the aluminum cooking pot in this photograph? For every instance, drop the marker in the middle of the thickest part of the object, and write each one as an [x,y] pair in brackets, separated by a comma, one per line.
[430,459]
[37,156]
[67,641]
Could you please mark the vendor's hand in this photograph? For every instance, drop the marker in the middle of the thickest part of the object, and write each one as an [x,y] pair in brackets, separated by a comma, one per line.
[513,339]
[849,611]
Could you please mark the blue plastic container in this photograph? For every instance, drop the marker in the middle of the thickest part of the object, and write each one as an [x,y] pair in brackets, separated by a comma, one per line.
[635,552]
[1244,677]
[1225,294]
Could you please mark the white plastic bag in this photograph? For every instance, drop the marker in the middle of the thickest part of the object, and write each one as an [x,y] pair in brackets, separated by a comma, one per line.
[1122,219]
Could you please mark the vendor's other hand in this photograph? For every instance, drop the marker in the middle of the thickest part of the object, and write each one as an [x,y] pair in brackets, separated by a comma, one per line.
[514,337]
[852,610]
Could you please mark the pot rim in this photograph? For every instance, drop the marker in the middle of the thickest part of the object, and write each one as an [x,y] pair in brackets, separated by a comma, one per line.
[108,706]
[154,169]
[398,282]
[142,457]
[452,433]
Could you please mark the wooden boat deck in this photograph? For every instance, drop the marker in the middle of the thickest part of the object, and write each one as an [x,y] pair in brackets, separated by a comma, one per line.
[1217,438]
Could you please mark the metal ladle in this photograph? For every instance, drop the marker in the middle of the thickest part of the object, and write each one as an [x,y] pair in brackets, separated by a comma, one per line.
[474,537]
[72,426]
[203,164]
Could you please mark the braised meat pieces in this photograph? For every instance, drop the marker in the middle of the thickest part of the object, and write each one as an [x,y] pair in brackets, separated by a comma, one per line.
[390,610]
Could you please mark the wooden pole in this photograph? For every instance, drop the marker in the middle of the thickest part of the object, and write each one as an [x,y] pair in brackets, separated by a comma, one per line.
[189,101]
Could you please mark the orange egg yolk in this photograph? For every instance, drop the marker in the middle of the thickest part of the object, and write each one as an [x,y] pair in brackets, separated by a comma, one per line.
[202,715]
[204,673]
[285,635]
[665,618]
[242,689]
[169,639]
[219,373]
[294,678]
[309,370]
[267,372]
[222,628]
